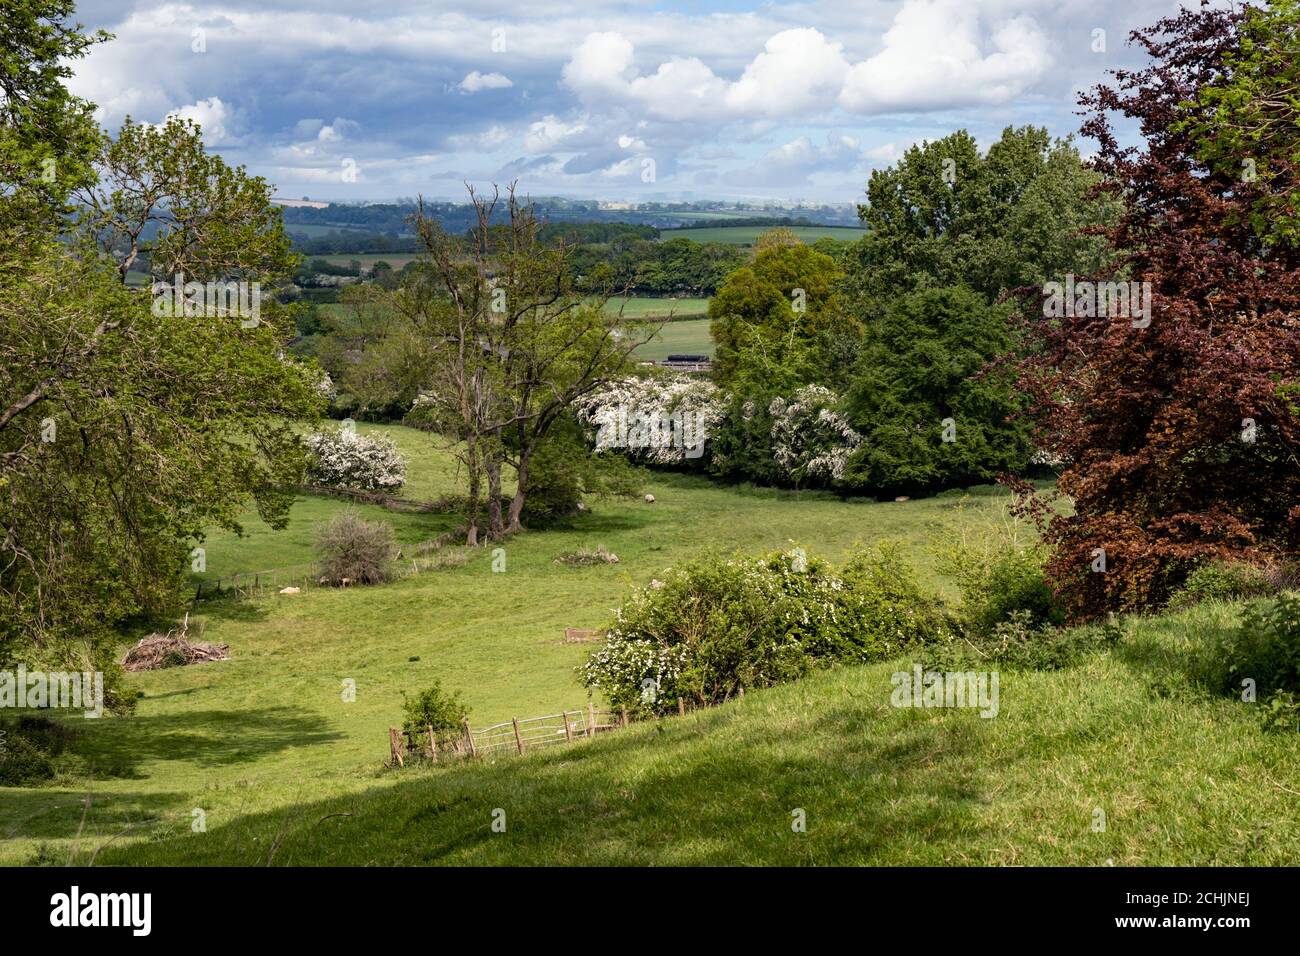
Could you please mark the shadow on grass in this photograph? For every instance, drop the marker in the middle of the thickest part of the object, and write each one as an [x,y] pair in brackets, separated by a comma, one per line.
[686,791]
[117,747]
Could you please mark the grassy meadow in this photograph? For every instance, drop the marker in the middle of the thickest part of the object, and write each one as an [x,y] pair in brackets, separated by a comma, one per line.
[285,771]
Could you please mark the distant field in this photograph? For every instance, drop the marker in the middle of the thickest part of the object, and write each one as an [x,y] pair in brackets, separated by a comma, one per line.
[745,235]
[678,338]
[394,259]
[643,308]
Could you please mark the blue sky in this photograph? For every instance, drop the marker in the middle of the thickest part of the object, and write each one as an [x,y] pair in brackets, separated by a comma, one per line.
[345,100]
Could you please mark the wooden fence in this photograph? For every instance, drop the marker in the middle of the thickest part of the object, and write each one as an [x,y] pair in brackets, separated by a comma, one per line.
[515,736]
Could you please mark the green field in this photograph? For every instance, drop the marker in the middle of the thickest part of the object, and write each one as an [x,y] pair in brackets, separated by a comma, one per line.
[690,337]
[746,235]
[265,746]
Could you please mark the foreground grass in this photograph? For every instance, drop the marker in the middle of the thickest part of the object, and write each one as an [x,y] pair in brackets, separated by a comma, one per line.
[1181,778]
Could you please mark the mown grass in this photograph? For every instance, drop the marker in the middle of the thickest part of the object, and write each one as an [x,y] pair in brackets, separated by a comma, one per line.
[689,337]
[262,742]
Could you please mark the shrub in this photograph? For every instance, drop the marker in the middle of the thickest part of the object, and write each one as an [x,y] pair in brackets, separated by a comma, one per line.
[27,749]
[1227,581]
[344,459]
[999,570]
[583,557]
[1021,643]
[716,626]
[1264,648]
[22,763]
[433,707]
[810,439]
[1015,583]
[351,549]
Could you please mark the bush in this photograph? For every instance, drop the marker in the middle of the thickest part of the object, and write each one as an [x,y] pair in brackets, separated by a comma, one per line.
[999,570]
[433,707]
[1226,581]
[1015,584]
[1264,648]
[1021,643]
[352,550]
[22,763]
[716,626]
[27,749]
[344,459]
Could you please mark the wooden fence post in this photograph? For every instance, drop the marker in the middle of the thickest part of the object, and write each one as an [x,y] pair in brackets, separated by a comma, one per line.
[433,744]
[591,719]
[622,716]
[469,738]
[519,741]
[568,729]
[681,706]
[395,746]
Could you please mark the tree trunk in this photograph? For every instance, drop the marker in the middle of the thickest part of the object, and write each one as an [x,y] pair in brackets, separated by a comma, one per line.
[496,527]
[521,494]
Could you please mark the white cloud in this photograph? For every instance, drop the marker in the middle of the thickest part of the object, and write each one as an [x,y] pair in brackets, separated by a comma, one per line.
[933,59]
[550,132]
[475,81]
[212,115]
[797,70]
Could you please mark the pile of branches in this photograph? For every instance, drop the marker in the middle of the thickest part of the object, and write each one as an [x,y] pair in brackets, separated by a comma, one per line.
[173,649]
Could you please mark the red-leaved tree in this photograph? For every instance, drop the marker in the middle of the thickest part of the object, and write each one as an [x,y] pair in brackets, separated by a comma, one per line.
[1179,437]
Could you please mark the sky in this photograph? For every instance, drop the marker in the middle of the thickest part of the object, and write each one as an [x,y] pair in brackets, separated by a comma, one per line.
[345,100]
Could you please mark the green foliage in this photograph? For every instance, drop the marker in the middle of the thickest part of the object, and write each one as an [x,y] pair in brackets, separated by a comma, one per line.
[28,748]
[1223,581]
[944,215]
[47,135]
[920,366]
[433,707]
[717,626]
[351,550]
[1019,642]
[1243,120]
[763,341]
[1264,648]
[563,471]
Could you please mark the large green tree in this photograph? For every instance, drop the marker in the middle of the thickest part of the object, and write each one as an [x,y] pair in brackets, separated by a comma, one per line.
[947,215]
[127,429]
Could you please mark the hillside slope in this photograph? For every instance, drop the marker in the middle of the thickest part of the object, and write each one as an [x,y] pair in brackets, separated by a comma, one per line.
[1182,778]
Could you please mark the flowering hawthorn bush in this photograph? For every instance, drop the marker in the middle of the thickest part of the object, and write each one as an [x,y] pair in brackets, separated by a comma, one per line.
[810,439]
[715,626]
[344,459]
[662,421]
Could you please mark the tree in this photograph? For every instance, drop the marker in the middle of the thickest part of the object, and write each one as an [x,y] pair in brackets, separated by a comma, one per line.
[47,135]
[126,429]
[1244,124]
[945,215]
[512,344]
[930,410]
[768,317]
[1179,442]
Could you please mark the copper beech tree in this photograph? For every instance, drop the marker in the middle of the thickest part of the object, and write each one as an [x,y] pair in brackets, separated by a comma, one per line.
[1178,433]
